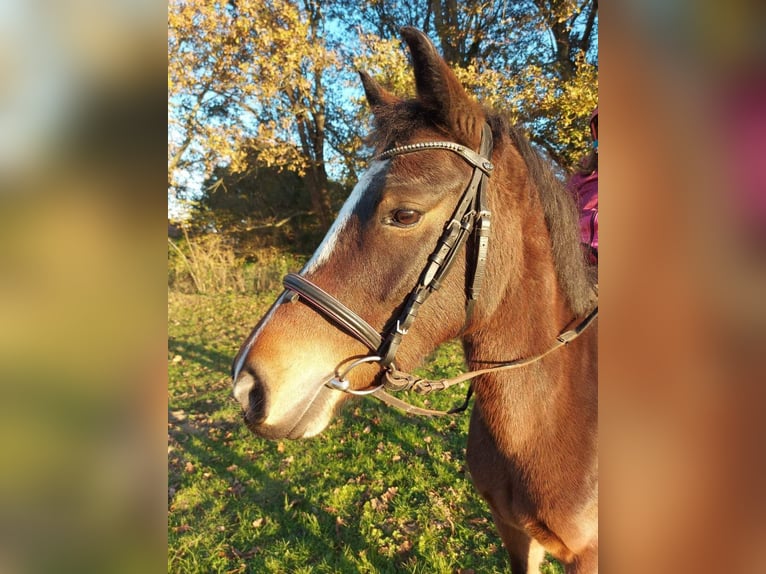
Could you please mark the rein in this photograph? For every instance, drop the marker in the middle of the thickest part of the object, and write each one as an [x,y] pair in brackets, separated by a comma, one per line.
[400,381]
[471,216]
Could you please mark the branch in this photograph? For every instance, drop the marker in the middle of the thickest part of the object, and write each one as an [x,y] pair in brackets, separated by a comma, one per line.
[189,266]
[190,120]
[277,224]
[585,43]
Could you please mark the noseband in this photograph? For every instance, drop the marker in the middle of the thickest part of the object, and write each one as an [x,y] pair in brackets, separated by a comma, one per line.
[470,216]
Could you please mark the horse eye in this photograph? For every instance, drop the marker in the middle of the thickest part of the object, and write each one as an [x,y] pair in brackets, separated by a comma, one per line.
[406,217]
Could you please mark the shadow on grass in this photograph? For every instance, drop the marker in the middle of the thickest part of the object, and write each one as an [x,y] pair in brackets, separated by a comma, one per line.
[223,481]
[234,505]
[260,499]
[200,354]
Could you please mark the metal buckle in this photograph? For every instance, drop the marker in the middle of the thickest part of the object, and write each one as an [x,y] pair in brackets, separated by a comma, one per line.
[452,223]
[468,220]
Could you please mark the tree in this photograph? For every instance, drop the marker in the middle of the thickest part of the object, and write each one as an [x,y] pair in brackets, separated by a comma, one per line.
[249,70]
[536,60]
[272,83]
[256,207]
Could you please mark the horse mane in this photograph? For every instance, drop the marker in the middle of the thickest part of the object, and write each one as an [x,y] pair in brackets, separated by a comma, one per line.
[575,276]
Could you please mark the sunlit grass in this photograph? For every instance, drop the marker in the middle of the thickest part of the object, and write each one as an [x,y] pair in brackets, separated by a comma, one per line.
[376,492]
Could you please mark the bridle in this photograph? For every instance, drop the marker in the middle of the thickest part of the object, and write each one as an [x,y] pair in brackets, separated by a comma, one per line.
[470,216]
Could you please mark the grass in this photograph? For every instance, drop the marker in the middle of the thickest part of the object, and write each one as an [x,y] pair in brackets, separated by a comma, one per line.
[377,492]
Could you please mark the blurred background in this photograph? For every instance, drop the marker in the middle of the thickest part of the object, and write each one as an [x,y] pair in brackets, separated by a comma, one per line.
[681,366]
[84,263]
[82,291]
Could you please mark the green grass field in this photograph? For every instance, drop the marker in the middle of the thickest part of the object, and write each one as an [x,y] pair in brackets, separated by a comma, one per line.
[377,492]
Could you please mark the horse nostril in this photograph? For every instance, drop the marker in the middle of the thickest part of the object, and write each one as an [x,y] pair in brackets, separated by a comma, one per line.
[257,411]
[251,394]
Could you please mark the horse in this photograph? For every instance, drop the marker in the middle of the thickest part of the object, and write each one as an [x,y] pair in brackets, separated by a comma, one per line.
[458,223]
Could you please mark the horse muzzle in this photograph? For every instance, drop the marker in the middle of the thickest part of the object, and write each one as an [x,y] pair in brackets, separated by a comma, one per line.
[251,394]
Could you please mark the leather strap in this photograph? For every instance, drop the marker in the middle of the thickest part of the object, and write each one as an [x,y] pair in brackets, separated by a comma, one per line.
[456,232]
[405,407]
[329,306]
[399,381]
[481,234]
[455,235]
[471,214]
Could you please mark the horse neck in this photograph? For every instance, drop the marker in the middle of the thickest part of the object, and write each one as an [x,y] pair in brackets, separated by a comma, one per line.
[528,308]
[531,312]
[523,406]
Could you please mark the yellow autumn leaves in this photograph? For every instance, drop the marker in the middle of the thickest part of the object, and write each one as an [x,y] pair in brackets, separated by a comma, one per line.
[253,75]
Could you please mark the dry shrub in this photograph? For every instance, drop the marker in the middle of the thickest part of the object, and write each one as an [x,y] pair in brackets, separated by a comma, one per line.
[208,264]
[204,264]
[270,265]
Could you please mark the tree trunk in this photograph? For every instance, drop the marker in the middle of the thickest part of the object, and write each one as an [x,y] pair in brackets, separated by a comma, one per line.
[319,191]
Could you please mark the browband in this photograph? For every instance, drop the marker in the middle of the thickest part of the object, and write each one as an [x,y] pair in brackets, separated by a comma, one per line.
[478,161]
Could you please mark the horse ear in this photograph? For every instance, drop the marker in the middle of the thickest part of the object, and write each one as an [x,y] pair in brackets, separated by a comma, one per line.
[377,95]
[440,91]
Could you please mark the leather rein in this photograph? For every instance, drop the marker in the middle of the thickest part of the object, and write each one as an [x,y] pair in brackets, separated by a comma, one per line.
[471,216]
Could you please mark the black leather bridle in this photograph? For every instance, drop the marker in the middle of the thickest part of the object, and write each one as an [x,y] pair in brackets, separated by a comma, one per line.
[470,216]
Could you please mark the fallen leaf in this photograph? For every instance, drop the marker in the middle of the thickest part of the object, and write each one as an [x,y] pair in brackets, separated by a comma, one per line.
[389,494]
[178,416]
[247,553]
[410,527]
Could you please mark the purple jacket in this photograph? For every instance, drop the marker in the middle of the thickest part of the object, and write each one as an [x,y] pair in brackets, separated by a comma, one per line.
[584,188]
